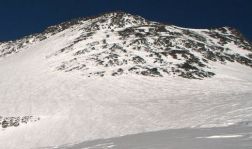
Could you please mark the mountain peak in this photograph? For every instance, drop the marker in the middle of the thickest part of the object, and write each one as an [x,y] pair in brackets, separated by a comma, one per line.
[116,13]
[118,43]
[117,19]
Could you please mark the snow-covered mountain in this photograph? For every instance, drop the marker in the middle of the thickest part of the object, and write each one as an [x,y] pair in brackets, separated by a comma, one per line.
[118,74]
[120,43]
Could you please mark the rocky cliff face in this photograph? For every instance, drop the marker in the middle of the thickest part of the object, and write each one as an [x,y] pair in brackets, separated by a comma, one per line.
[120,44]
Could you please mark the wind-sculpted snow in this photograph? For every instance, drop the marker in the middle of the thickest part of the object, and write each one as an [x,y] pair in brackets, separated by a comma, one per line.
[233,137]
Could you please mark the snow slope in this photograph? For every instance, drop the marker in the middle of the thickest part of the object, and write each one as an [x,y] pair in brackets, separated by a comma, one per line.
[231,137]
[76,97]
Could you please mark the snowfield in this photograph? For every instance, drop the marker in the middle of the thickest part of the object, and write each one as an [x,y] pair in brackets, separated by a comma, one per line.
[74,108]
[232,137]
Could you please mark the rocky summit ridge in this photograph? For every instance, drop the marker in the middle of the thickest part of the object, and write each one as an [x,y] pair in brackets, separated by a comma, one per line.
[119,43]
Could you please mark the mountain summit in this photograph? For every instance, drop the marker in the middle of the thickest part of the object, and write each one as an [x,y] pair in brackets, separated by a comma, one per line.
[119,43]
[118,74]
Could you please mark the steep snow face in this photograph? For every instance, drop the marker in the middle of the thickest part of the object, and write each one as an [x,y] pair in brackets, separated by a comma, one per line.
[150,49]
[119,74]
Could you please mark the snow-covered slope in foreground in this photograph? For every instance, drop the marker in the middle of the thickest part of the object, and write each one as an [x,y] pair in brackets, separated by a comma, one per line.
[68,85]
[237,136]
